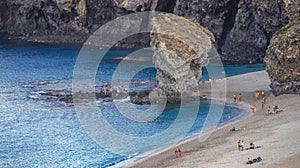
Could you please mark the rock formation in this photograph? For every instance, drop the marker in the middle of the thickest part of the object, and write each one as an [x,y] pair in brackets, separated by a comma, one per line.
[283,59]
[181,49]
[242,28]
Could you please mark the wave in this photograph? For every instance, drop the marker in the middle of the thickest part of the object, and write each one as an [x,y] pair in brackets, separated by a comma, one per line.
[127,99]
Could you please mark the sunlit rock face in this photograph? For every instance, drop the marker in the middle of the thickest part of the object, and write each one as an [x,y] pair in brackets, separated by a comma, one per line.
[181,49]
[283,59]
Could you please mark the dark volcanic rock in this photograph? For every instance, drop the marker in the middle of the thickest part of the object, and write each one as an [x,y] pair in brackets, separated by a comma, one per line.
[242,28]
[283,60]
[70,21]
[136,97]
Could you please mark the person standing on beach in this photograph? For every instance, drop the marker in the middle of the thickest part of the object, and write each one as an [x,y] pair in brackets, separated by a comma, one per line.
[263,93]
[239,145]
[262,104]
[242,145]
[269,109]
[251,144]
[264,99]
[234,98]
[257,95]
[240,97]
[105,89]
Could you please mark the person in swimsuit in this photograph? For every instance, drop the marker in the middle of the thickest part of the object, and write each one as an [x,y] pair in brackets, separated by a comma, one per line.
[177,153]
[240,97]
[251,145]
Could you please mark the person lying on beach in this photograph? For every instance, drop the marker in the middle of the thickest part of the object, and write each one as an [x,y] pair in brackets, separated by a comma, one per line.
[249,161]
[276,110]
[253,109]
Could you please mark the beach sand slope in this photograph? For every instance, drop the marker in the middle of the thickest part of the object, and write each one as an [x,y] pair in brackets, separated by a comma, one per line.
[278,135]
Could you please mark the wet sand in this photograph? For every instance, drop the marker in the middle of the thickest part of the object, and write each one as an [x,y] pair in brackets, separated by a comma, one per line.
[278,134]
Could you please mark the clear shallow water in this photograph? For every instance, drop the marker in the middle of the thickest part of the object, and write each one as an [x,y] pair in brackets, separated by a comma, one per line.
[38,133]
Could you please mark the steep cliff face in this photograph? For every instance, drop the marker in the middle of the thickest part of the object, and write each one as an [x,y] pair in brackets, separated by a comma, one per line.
[45,19]
[70,20]
[283,60]
[243,28]
[180,51]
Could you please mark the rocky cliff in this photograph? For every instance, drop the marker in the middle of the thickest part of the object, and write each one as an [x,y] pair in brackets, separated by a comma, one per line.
[66,20]
[242,28]
[50,20]
[283,60]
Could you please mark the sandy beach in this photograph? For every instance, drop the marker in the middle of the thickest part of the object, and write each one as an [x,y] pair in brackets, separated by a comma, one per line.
[278,134]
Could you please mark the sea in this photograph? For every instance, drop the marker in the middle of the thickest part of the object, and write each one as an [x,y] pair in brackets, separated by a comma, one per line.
[37,132]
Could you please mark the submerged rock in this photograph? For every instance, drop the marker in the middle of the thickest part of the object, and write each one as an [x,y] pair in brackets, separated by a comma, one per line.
[283,60]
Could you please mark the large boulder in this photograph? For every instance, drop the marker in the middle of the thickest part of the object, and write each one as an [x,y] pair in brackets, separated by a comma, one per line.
[283,60]
[181,49]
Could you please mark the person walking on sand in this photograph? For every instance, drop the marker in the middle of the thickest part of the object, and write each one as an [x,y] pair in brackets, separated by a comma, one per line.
[240,97]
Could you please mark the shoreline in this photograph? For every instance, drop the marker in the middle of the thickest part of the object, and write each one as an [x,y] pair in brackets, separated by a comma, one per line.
[220,149]
[139,159]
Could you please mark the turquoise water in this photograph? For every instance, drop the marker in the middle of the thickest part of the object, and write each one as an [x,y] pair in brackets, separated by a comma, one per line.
[41,133]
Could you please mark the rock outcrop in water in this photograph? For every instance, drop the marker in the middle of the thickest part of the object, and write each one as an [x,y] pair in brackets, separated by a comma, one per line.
[181,49]
[283,59]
